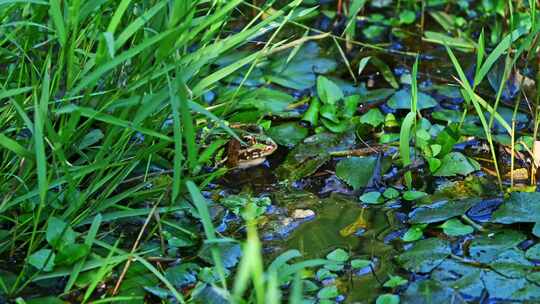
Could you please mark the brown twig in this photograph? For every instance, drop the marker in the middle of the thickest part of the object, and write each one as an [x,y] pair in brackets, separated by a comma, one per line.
[133,249]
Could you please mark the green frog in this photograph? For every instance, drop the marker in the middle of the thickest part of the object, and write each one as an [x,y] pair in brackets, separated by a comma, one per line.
[251,151]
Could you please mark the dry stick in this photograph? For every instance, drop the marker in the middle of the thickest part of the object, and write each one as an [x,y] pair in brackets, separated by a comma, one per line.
[129,260]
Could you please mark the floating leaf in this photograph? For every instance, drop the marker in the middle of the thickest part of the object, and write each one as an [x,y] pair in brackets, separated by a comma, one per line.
[387,299]
[512,263]
[328,292]
[356,171]
[424,255]
[486,248]
[412,195]
[429,292]
[519,207]
[360,263]
[373,117]
[533,253]
[440,211]
[372,197]
[338,255]
[455,227]
[402,100]
[395,281]
[414,233]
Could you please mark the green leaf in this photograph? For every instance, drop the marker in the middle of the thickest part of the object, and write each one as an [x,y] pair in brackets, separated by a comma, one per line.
[312,113]
[486,248]
[424,255]
[338,255]
[360,263]
[401,100]
[455,163]
[373,117]
[328,292]
[414,233]
[441,210]
[356,171]
[328,91]
[434,164]
[412,195]
[407,17]
[391,193]
[519,207]
[71,253]
[387,299]
[43,260]
[384,68]
[288,134]
[395,281]
[455,227]
[58,233]
[372,197]
[533,253]
[91,138]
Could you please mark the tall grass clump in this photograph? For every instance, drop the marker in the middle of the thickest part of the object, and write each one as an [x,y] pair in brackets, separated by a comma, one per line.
[100,104]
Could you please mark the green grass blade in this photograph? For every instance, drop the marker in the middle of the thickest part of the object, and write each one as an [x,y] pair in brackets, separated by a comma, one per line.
[202,208]
[89,240]
[93,114]
[499,50]
[14,92]
[404,145]
[55,11]
[177,129]
[15,147]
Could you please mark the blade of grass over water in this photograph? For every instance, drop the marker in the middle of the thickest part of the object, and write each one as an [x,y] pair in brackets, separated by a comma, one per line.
[202,208]
[471,96]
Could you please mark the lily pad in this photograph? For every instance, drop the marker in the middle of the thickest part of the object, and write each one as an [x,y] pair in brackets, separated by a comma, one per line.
[533,253]
[462,277]
[455,163]
[387,299]
[441,211]
[455,227]
[429,292]
[402,100]
[300,72]
[424,255]
[514,289]
[356,171]
[486,248]
[512,263]
[519,207]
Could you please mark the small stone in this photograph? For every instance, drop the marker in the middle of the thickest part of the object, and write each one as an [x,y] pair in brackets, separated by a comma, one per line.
[303,213]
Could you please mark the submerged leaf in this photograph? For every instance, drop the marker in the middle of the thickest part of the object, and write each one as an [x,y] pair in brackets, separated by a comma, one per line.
[424,255]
